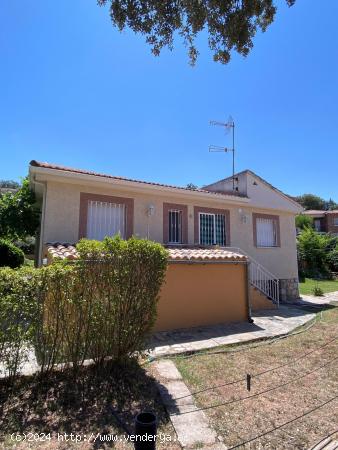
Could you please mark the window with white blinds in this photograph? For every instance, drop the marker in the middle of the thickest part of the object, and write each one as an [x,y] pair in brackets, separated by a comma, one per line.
[212,229]
[175,226]
[105,219]
[266,230]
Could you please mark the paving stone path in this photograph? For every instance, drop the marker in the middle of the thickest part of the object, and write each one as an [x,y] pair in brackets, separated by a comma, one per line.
[192,429]
[320,300]
[267,324]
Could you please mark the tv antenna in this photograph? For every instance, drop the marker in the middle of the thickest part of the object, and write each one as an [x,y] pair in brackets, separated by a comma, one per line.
[229,125]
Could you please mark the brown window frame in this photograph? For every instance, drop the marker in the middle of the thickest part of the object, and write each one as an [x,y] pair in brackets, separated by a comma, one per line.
[334,217]
[273,217]
[175,207]
[201,209]
[86,197]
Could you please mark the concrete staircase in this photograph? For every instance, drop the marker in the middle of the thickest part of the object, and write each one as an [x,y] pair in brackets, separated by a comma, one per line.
[261,281]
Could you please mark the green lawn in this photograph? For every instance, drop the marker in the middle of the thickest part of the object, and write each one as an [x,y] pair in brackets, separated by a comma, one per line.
[325,285]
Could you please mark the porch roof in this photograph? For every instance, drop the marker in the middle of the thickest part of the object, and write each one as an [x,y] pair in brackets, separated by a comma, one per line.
[57,250]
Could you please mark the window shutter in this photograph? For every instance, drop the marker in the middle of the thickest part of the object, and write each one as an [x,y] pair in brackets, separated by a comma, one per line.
[266,232]
[105,219]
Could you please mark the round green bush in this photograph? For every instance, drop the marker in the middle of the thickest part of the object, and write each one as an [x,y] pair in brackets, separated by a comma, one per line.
[10,255]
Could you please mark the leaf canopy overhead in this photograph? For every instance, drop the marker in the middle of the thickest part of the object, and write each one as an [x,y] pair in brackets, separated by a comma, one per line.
[230,24]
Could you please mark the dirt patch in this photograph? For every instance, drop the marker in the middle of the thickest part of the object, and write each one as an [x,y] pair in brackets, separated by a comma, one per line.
[240,421]
[97,405]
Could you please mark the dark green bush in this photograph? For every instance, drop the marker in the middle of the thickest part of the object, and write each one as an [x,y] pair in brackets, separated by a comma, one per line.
[333,259]
[10,256]
[99,307]
[27,245]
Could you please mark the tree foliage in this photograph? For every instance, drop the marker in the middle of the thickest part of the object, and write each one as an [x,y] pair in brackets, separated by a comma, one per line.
[19,217]
[230,24]
[303,221]
[316,252]
[192,186]
[311,201]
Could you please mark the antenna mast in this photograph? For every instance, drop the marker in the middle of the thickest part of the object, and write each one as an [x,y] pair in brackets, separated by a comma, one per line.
[229,125]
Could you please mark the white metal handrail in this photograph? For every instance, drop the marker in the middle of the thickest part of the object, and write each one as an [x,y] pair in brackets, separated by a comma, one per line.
[261,278]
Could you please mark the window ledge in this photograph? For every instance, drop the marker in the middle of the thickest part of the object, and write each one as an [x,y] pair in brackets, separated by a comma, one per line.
[273,246]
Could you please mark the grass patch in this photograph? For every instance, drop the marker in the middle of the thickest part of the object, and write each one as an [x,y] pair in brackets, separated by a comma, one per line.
[240,421]
[325,285]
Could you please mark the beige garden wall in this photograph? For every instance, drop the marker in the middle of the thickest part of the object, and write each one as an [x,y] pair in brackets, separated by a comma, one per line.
[63,206]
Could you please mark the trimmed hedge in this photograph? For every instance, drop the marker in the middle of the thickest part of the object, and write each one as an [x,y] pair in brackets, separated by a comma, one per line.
[102,306]
[10,255]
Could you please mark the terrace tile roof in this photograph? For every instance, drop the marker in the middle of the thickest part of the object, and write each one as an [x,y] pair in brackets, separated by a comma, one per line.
[46,165]
[68,251]
[317,212]
[204,254]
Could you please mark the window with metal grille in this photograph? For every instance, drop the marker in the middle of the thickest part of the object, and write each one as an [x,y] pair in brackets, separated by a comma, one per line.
[266,230]
[335,221]
[105,219]
[212,229]
[175,226]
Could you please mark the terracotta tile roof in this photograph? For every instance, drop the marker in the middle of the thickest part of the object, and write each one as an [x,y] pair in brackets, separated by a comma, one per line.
[46,165]
[68,251]
[314,212]
[204,254]
[63,251]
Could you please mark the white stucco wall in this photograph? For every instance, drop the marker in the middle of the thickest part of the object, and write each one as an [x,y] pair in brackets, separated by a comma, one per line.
[63,205]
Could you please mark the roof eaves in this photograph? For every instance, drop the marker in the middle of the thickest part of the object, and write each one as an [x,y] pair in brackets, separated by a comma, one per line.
[44,165]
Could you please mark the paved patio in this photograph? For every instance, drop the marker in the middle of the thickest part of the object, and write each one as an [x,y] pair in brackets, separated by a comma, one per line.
[321,300]
[267,324]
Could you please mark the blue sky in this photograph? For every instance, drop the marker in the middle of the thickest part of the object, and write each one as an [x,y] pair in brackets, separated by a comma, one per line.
[75,91]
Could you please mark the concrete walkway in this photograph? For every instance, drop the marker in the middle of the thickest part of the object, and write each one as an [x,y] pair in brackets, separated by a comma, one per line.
[193,430]
[267,323]
[320,300]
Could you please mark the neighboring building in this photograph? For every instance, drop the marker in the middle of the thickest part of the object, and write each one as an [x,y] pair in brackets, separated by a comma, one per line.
[324,221]
[7,190]
[256,218]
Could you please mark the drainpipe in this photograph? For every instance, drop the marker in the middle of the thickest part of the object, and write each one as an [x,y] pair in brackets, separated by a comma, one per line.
[43,214]
[247,293]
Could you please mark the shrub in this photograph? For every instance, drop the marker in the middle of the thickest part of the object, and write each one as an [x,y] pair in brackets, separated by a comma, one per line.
[27,245]
[124,278]
[18,312]
[100,306]
[10,255]
[317,291]
[313,251]
[333,259]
